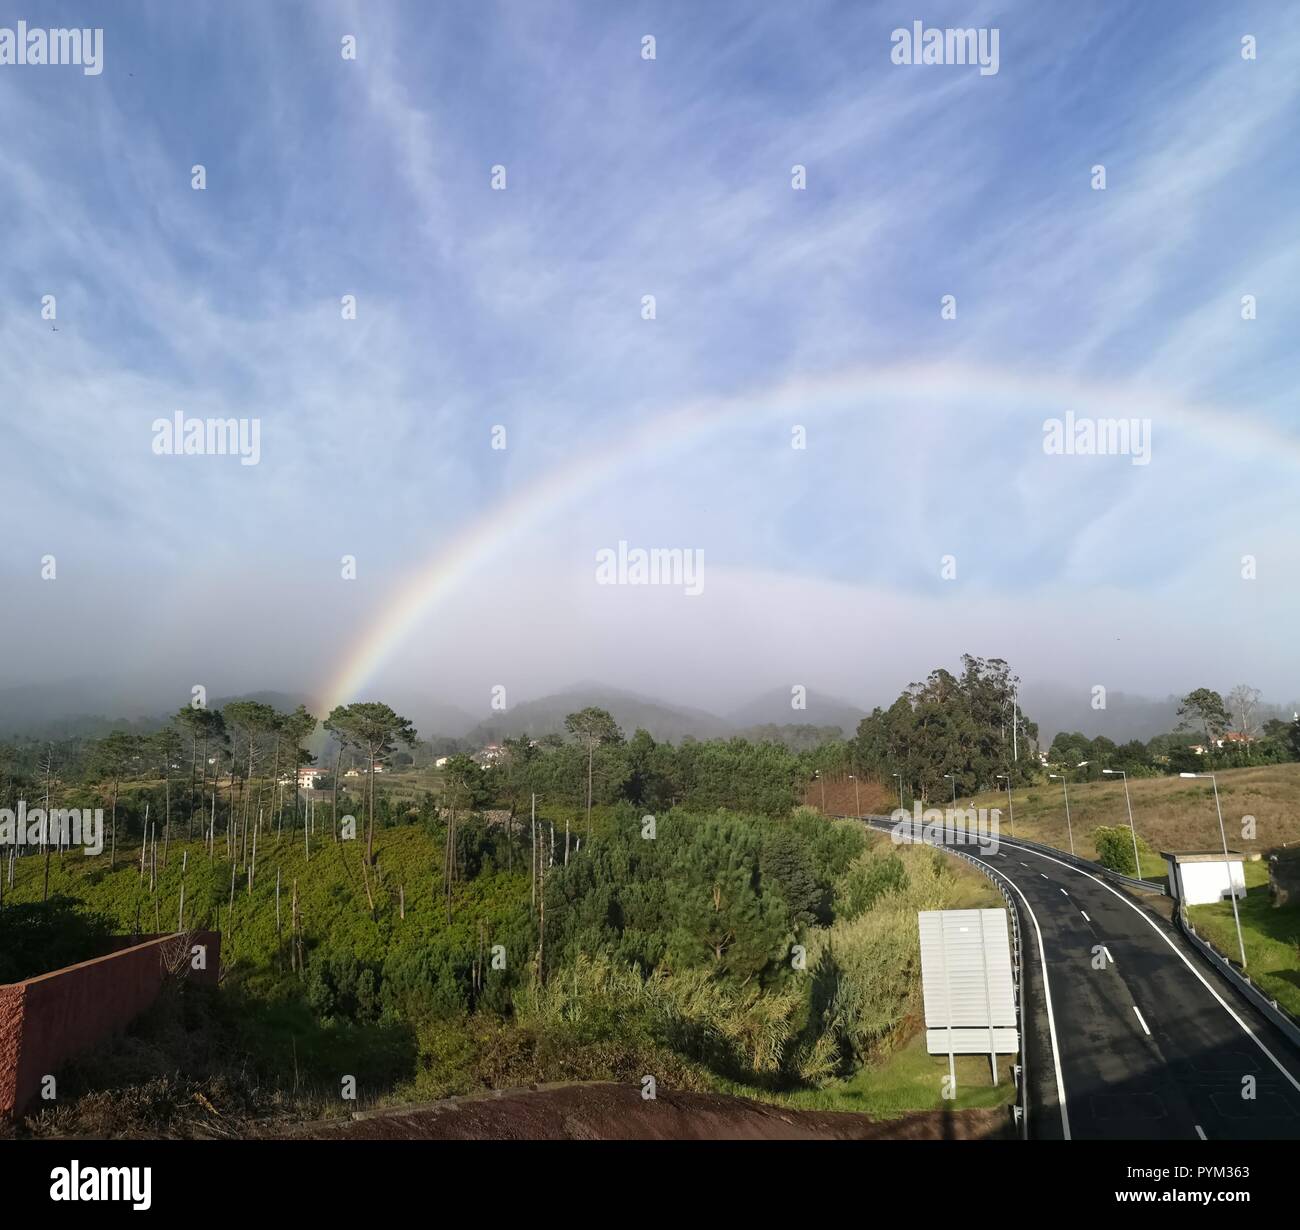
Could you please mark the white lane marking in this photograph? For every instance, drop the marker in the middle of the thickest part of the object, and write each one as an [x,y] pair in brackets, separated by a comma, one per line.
[1200,1131]
[1064,893]
[1022,864]
[1041,874]
[1047,997]
[1182,956]
[1141,1022]
[1108,956]
[1085,916]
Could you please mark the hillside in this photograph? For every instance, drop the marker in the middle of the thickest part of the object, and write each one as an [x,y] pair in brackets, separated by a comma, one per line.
[418,1006]
[546,714]
[773,709]
[1168,812]
[1126,715]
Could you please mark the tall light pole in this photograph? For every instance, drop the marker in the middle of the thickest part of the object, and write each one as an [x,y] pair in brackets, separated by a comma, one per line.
[900,789]
[1010,807]
[857,801]
[952,779]
[1131,829]
[817,773]
[1232,888]
[1061,778]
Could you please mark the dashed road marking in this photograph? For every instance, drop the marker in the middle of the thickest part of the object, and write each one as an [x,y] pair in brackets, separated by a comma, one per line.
[1200,1131]
[1085,916]
[1186,960]
[1141,1022]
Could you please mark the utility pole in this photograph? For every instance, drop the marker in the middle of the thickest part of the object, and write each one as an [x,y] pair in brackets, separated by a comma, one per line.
[1232,888]
[1137,864]
[1061,778]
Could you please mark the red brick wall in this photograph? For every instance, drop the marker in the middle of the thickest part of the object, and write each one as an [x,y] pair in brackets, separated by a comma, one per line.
[45,1021]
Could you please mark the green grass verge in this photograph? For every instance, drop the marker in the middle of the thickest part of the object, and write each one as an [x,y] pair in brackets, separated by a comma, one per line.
[1271,935]
[907,1080]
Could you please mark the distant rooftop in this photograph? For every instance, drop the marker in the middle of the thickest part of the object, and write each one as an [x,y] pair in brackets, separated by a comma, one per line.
[1202,856]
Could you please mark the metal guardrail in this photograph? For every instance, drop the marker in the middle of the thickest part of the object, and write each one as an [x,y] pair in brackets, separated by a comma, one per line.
[1086,864]
[1270,1009]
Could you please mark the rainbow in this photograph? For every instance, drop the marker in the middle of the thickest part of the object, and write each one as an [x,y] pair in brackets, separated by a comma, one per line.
[797,400]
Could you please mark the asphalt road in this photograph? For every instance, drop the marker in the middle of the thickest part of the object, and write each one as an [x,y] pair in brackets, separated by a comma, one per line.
[1142,1039]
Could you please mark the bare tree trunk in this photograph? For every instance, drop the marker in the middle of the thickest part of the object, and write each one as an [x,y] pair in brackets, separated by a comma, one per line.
[112,856]
[144,841]
[194,759]
[591,755]
[167,816]
[541,910]
[334,801]
[370,828]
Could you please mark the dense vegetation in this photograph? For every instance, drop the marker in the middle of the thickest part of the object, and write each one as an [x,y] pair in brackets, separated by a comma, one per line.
[581,905]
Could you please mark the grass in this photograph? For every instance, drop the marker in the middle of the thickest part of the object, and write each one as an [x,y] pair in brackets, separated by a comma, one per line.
[1271,935]
[1171,813]
[260,1023]
[907,1080]
[1178,814]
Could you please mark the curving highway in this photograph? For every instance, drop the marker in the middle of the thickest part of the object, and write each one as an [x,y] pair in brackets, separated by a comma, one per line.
[1130,1035]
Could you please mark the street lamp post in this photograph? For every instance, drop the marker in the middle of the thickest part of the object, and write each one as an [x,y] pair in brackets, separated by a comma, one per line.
[900,790]
[1232,888]
[953,817]
[1136,862]
[857,801]
[817,773]
[1061,778]
[1010,806]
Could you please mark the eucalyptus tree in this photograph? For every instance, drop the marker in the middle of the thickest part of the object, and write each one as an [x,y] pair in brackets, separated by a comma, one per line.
[165,746]
[373,729]
[113,757]
[592,727]
[293,729]
[251,722]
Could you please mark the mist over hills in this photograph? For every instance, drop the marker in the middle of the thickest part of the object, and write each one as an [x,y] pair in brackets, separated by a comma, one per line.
[775,708]
[1056,708]
[546,714]
[87,708]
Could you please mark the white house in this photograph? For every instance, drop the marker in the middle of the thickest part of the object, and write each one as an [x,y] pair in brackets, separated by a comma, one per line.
[309,775]
[1201,877]
[441,762]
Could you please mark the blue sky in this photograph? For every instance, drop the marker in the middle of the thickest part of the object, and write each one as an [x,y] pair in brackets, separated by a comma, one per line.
[522,307]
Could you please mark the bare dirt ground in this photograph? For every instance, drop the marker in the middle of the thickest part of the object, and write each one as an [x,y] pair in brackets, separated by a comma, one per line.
[605,1111]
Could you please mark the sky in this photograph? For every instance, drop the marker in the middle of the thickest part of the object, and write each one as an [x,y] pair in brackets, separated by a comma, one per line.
[863,475]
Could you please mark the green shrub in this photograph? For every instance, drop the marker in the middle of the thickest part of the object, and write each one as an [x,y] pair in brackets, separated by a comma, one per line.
[1114,844]
[39,936]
